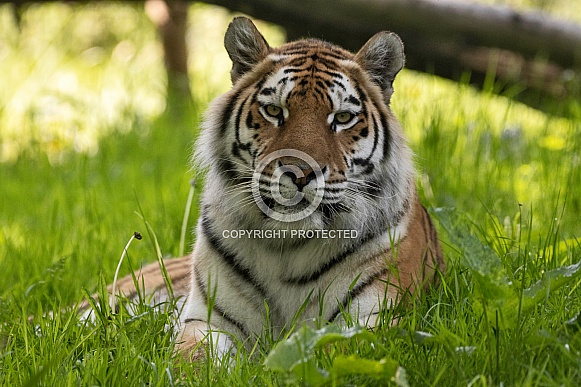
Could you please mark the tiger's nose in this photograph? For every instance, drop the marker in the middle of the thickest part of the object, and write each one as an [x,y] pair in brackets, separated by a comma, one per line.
[302,175]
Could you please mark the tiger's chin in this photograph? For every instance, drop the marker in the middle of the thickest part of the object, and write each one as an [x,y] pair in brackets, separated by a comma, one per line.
[303,215]
[309,208]
[290,227]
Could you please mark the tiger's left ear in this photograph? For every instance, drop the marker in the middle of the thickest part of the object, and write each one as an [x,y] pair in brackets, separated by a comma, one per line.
[382,57]
[245,45]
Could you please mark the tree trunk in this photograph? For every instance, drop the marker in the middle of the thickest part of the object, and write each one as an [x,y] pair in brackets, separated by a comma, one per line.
[171,19]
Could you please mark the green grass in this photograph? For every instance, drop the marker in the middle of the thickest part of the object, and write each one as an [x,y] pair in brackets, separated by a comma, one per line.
[86,140]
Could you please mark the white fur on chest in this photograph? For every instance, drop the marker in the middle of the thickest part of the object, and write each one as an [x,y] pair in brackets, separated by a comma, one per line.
[270,283]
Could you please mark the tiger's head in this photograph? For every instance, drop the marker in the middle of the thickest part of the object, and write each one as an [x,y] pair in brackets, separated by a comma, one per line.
[305,137]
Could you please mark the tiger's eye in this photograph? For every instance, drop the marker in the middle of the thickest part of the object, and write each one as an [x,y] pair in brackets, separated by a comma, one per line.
[273,110]
[343,117]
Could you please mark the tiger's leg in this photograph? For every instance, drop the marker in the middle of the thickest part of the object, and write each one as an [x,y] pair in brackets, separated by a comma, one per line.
[198,338]
[205,327]
[370,307]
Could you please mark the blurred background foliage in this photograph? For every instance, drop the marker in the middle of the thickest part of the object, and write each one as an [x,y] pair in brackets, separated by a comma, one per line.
[72,73]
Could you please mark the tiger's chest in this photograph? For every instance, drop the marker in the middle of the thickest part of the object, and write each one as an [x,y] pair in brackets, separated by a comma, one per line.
[263,287]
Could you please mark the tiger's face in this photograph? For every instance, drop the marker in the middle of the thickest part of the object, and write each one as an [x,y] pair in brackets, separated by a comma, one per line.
[306,126]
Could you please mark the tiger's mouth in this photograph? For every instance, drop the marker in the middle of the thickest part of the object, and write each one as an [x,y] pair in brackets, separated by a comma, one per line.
[292,192]
[328,209]
[288,185]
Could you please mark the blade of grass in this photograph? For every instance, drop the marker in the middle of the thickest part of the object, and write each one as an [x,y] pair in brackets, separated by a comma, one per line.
[157,248]
[113,299]
[187,211]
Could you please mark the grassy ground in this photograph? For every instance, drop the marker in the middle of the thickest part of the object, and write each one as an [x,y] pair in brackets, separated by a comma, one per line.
[86,141]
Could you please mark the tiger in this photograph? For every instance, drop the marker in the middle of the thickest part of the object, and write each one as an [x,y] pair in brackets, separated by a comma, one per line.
[310,208]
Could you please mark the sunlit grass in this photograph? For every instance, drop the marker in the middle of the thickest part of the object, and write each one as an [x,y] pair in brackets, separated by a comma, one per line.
[501,152]
[85,142]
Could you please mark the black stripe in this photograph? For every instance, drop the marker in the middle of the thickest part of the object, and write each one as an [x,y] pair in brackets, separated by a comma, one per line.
[260,83]
[328,83]
[322,94]
[333,262]
[227,169]
[375,139]
[293,70]
[295,77]
[320,84]
[341,85]
[298,49]
[225,166]
[227,113]
[190,320]
[250,120]
[373,189]
[364,132]
[328,64]
[334,55]
[222,313]
[317,60]
[401,213]
[386,134]
[231,320]
[320,77]
[436,253]
[425,225]
[322,91]
[268,91]
[366,162]
[356,291]
[361,93]
[369,167]
[230,258]
[307,45]
[331,189]
[333,74]
[353,100]
[238,116]
[200,283]
[299,63]
[236,151]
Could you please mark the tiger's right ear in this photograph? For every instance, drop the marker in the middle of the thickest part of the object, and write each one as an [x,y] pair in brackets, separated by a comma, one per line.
[245,45]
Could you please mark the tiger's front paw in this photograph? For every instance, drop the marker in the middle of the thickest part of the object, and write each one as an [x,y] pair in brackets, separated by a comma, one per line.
[190,341]
[199,340]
